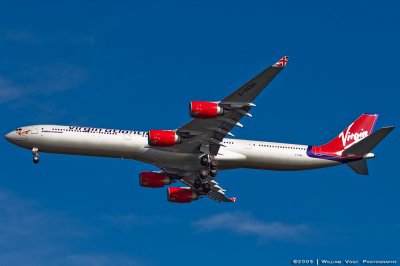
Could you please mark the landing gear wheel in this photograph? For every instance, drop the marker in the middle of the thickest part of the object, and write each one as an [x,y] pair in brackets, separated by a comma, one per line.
[213,173]
[35,152]
[206,187]
[203,173]
[197,183]
[204,160]
[213,164]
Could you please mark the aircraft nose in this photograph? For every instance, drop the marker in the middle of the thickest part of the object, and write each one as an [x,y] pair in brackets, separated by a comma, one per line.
[9,136]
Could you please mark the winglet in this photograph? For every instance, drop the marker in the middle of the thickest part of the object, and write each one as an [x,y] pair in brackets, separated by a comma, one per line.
[282,62]
[233,199]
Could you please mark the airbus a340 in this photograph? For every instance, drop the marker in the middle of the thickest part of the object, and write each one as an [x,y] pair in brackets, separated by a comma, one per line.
[193,153]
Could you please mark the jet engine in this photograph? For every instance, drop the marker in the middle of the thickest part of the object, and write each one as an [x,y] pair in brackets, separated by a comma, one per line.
[205,110]
[162,138]
[153,179]
[181,195]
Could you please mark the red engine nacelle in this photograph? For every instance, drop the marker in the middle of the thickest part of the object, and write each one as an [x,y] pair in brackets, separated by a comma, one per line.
[181,195]
[205,110]
[162,138]
[153,179]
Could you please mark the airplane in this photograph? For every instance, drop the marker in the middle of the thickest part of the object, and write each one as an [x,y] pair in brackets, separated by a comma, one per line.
[193,153]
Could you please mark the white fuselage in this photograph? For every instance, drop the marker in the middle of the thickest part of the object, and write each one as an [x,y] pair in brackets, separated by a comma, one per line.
[133,145]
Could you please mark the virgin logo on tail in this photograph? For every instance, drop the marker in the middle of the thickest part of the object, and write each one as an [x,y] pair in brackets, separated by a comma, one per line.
[350,137]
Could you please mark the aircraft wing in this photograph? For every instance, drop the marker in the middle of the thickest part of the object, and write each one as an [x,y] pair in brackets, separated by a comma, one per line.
[209,133]
[206,135]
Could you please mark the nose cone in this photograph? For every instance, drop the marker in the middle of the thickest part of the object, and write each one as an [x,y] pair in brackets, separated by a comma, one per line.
[10,137]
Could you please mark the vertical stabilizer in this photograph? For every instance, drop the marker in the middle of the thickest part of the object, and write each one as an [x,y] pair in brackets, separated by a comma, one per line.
[356,131]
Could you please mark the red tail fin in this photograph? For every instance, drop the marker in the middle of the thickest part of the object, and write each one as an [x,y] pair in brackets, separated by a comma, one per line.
[355,132]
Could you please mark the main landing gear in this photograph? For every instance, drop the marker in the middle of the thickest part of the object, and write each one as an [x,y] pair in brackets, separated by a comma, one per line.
[199,183]
[207,174]
[35,152]
[207,160]
[206,187]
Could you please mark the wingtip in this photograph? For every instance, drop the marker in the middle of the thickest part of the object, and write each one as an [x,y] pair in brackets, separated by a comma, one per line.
[281,62]
[233,199]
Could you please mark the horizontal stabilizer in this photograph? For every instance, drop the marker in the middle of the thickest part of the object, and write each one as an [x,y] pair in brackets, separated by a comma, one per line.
[360,167]
[367,144]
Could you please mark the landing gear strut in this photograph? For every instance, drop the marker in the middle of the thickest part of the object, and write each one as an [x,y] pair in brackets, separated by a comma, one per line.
[35,152]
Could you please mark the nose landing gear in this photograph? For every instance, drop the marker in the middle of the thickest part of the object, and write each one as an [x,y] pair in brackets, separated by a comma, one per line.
[35,152]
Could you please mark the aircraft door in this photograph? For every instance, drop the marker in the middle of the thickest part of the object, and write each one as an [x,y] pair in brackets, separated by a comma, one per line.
[34,131]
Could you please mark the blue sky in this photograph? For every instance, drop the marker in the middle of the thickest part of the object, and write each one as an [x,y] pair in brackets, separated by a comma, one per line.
[136,66]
